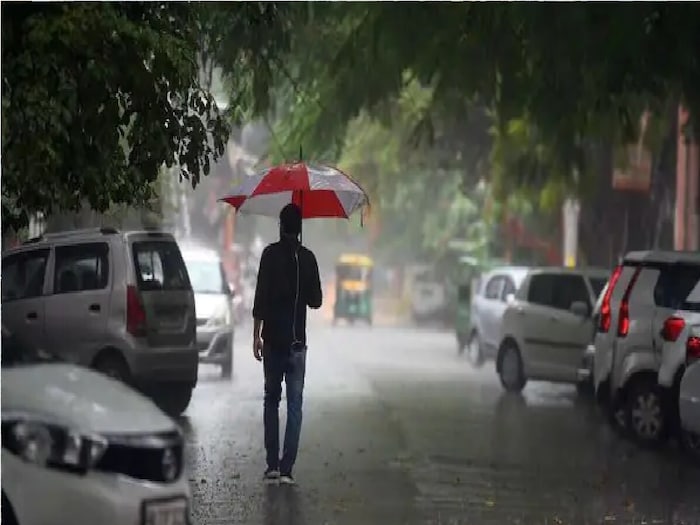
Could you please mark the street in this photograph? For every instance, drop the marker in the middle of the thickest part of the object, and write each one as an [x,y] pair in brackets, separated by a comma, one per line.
[399,429]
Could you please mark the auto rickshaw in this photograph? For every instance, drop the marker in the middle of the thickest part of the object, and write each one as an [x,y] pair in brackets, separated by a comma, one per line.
[353,288]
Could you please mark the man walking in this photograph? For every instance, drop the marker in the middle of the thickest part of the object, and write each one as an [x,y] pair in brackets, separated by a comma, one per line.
[288,282]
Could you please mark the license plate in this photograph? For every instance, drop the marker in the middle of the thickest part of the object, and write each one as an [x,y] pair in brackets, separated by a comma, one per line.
[170,512]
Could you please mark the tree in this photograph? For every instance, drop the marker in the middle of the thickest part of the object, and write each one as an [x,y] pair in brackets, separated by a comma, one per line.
[98,97]
[576,71]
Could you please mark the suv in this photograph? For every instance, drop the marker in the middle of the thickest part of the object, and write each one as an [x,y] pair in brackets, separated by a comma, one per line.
[213,305]
[547,327]
[119,302]
[639,358]
[494,291]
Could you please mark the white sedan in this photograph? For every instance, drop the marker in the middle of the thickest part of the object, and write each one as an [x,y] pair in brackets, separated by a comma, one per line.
[78,447]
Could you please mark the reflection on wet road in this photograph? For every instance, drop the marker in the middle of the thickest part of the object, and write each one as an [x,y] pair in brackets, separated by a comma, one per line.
[399,430]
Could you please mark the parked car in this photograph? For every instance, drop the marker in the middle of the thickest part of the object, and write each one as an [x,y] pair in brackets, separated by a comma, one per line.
[640,343]
[548,326]
[213,307]
[119,302]
[495,289]
[80,447]
[428,297]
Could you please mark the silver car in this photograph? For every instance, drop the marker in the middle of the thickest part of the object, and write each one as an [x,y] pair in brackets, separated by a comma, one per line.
[119,302]
[213,305]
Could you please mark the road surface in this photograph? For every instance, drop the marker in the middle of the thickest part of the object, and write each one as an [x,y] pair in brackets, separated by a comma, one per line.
[400,430]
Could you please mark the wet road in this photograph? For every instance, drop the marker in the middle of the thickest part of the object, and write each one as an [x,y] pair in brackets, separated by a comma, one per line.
[400,430]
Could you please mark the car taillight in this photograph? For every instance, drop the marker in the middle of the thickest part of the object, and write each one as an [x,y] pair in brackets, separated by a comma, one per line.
[605,311]
[673,326]
[692,349]
[623,321]
[135,314]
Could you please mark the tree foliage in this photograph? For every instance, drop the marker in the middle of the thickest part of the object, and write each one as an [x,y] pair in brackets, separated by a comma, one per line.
[97,97]
[573,71]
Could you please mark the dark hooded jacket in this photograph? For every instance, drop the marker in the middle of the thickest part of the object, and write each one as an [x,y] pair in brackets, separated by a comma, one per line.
[276,289]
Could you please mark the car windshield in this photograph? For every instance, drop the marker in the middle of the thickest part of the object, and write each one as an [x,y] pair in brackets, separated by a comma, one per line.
[16,352]
[205,276]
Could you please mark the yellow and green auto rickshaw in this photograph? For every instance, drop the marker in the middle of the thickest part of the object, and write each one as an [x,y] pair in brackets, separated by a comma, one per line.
[353,288]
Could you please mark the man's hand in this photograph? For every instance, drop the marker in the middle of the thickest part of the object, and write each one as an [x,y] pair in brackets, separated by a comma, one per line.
[257,347]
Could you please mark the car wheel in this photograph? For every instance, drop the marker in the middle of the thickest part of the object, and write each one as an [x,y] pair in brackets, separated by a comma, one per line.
[645,417]
[173,399]
[8,514]
[511,369]
[474,353]
[112,365]
[691,444]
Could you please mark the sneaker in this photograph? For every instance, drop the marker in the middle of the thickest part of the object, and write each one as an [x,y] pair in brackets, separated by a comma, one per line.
[287,479]
[271,475]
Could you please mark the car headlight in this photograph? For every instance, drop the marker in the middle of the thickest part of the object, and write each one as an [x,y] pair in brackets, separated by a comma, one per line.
[52,445]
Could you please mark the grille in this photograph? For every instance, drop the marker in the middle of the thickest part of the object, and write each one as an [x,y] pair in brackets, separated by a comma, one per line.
[144,457]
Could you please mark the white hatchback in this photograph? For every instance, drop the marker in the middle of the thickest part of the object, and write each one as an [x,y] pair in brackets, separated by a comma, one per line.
[79,447]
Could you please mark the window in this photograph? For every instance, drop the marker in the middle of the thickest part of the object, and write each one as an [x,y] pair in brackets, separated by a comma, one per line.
[678,286]
[541,290]
[493,287]
[597,284]
[159,266]
[23,275]
[508,288]
[81,267]
[569,289]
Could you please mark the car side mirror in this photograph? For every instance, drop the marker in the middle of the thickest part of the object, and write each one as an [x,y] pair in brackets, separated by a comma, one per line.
[579,308]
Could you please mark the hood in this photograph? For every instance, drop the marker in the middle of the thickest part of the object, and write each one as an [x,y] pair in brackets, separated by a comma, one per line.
[206,305]
[81,399]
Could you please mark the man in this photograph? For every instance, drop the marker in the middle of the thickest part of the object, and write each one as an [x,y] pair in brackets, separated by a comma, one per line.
[288,282]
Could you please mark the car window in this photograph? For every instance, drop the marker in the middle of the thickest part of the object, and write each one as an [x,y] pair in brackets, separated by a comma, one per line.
[493,287]
[569,289]
[677,287]
[81,267]
[597,284]
[23,275]
[508,288]
[159,266]
[540,290]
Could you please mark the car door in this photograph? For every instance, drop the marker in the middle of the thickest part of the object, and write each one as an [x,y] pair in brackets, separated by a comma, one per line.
[77,308]
[570,332]
[23,288]
[536,319]
[491,312]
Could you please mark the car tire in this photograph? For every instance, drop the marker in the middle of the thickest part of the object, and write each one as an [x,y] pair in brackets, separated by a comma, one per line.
[646,419]
[510,369]
[691,444]
[7,516]
[475,355]
[173,399]
[112,365]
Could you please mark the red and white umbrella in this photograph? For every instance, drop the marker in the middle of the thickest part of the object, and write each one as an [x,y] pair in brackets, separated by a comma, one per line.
[320,192]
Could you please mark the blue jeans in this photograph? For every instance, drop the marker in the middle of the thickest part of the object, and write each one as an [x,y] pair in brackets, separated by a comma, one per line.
[279,364]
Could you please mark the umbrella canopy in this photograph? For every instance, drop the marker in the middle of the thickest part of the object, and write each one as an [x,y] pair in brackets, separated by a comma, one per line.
[320,191]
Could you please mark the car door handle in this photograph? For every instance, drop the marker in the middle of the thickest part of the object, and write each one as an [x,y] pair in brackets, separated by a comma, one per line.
[94,307]
[32,316]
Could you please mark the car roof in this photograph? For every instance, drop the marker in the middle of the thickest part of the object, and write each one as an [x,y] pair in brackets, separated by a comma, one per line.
[564,270]
[518,273]
[663,256]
